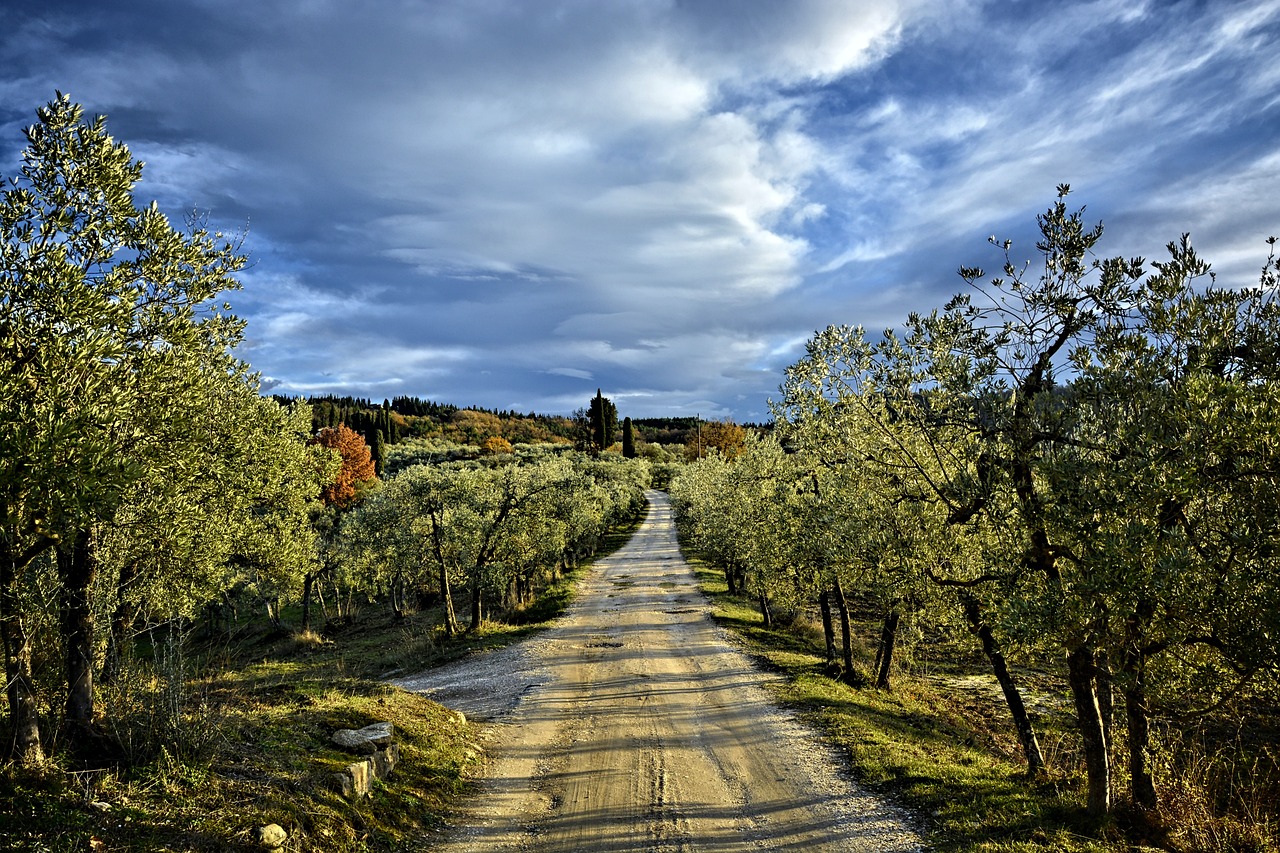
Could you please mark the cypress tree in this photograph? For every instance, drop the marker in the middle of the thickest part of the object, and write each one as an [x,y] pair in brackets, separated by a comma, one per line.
[604,421]
[628,439]
[378,452]
[597,420]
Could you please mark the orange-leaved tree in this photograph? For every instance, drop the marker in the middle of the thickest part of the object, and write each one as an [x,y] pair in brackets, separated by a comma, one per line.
[495,444]
[357,471]
[357,464]
[725,436]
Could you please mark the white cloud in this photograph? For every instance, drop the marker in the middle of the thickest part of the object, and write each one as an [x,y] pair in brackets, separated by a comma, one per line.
[804,41]
[571,372]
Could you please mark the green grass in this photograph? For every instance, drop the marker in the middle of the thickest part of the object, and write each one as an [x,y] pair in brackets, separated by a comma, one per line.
[270,761]
[933,752]
[255,744]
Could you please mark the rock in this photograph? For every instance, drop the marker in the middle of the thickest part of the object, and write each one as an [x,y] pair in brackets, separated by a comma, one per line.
[383,755]
[384,761]
[270,837]
[357,780]
[343,784]
[364,741]
[361,778]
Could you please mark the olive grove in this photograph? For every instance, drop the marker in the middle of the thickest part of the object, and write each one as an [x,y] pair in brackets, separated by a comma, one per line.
[1079,462]
[497,530]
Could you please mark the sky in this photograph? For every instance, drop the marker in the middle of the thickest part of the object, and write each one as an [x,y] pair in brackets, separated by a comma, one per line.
[511,203]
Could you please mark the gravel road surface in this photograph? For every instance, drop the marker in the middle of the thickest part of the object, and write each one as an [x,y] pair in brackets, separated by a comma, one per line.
[635,724]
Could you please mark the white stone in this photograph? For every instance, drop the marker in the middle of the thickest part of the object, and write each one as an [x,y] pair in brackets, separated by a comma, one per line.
[366,740]
[270,837]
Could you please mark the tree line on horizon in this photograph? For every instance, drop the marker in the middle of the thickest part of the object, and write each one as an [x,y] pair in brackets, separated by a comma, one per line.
[593,426]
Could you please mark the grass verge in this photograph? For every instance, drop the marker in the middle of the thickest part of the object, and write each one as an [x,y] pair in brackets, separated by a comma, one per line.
[266,758]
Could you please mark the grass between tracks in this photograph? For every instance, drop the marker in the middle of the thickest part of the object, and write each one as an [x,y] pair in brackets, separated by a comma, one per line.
[941,754]
[253,748]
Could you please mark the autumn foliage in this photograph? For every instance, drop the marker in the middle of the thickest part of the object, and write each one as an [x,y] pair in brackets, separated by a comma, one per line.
[357,464]
[725,436]
[495,444]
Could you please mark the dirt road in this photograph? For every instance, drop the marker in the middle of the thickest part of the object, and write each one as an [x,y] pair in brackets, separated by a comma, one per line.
[634,725]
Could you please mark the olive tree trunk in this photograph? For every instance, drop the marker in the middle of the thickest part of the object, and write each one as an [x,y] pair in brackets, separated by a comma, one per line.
[828,629]
[884,654]
[24,719]
[1083,677]
[1012,695]
[77,567]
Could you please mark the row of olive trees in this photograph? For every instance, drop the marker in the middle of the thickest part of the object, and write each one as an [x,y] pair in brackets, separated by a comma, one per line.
[1083,463]
[498,529]
[140,471]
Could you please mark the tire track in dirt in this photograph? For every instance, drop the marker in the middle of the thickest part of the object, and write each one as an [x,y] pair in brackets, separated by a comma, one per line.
[633,724]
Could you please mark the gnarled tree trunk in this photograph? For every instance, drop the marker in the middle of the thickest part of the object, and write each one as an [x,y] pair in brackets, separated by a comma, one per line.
[24,720]
[1082,675]
[1012,695]
[308,585]
[846,636]
[888,638]
[450,615]
[77,566]
[1137,712]
[828,629]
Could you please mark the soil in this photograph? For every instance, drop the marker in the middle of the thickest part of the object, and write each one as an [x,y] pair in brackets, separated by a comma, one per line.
[635,724]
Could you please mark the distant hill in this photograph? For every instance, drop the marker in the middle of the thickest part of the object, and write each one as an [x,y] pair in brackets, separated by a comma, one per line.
[411,417]
[399,418]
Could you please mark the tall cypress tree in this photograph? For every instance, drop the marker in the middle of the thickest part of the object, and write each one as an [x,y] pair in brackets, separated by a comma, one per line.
[604,421]
[378,451]
[628,439]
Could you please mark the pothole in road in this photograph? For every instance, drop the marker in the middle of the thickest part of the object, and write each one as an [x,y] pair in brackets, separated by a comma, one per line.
[604,644]
[682,610]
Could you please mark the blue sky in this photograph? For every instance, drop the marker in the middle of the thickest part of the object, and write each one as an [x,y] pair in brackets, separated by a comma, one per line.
[511,203]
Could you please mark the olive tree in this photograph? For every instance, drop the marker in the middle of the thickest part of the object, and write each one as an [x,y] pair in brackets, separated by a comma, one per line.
[1173,492]
[111,350]
[1104,441]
